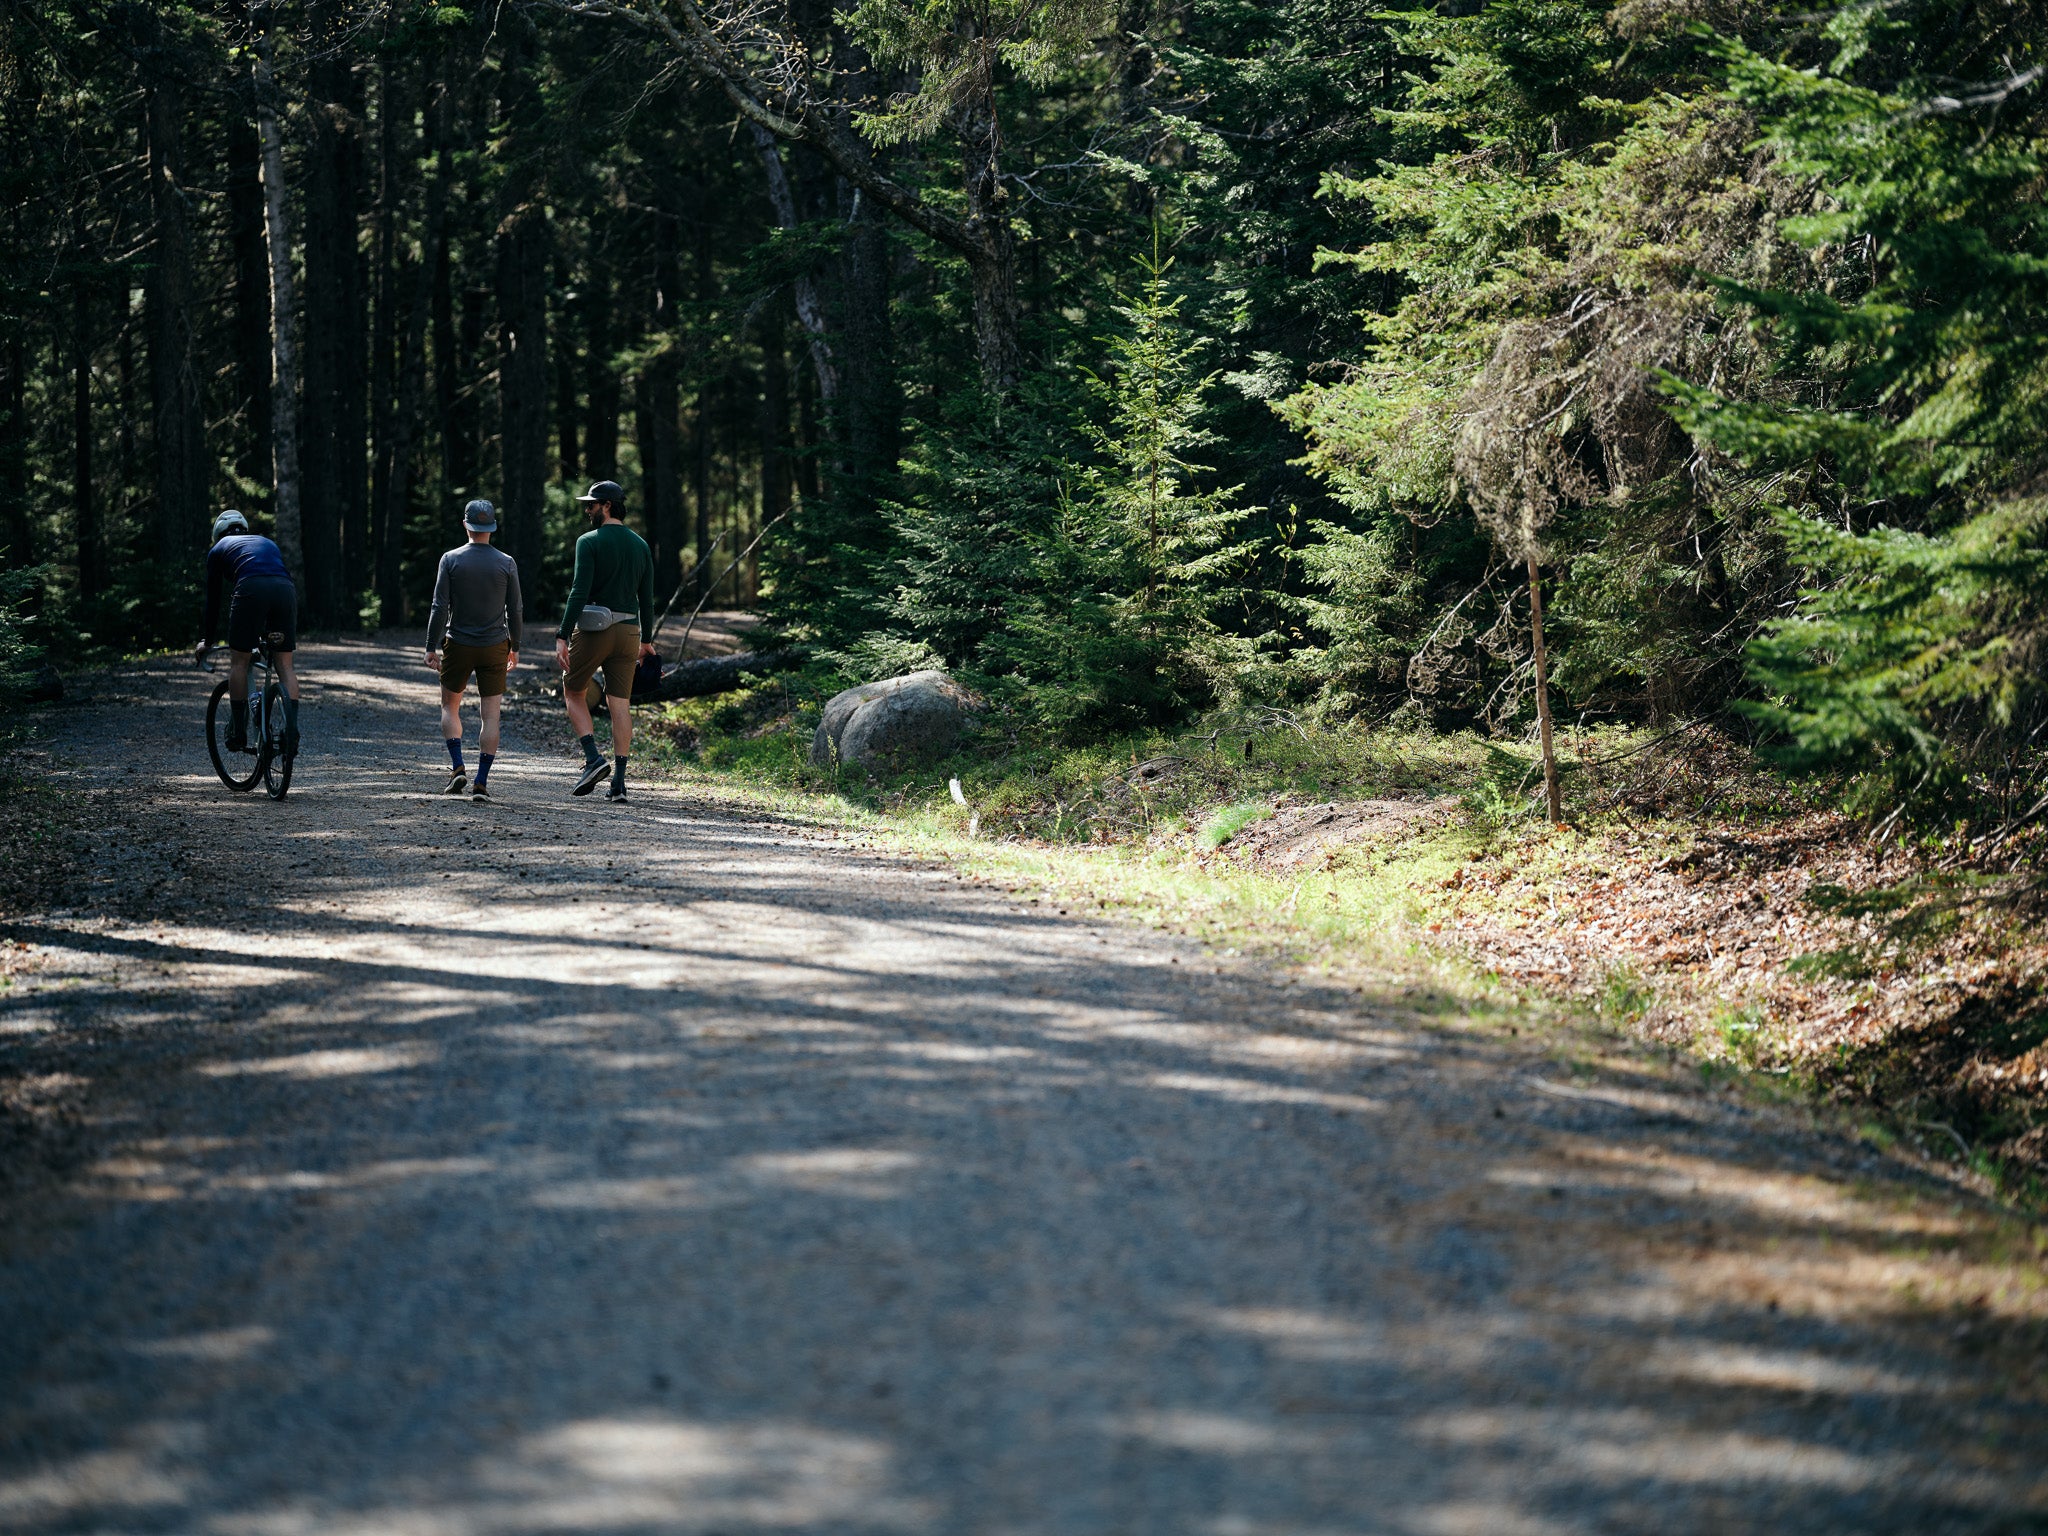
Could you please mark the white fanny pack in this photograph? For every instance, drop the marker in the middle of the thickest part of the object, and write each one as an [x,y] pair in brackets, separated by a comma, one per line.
[596,616]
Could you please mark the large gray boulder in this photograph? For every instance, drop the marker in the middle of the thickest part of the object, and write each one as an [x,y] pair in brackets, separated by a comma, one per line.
[897,723]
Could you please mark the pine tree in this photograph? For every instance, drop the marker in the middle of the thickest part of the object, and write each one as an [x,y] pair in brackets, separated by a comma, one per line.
[1915,656]
[1118,623]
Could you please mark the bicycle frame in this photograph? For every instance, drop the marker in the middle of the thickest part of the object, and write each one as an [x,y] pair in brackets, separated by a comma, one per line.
[267,714]
[259,690]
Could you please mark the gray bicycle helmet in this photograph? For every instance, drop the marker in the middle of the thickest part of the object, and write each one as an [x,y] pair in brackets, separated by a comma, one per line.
[229,522]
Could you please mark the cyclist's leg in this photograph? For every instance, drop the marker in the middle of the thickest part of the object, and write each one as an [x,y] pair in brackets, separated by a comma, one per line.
[238,699]
[287,674]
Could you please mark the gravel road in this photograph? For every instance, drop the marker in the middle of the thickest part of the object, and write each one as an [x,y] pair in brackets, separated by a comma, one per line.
[416,1167]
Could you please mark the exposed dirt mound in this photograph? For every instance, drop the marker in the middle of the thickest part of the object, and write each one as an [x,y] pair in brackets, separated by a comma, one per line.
[1299,837]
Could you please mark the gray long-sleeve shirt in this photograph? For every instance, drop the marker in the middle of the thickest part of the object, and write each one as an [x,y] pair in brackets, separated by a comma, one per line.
[476,598]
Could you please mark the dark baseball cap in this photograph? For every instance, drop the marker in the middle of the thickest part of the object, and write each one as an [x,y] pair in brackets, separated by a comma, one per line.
[480,517]
[605,490]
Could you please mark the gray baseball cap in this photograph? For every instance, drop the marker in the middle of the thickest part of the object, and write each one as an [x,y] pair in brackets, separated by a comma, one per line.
[480,517]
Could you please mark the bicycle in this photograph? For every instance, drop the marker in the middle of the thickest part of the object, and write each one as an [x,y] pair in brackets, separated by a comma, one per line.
[270,762]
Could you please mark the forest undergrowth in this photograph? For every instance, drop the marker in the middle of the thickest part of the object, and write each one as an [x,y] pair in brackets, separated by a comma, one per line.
[1695,901]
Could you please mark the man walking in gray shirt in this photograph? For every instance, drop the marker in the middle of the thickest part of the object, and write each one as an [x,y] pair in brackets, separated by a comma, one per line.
[477,611]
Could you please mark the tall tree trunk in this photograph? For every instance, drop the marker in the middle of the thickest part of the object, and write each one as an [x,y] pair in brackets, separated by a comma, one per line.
[569,461]
[870,410]
[871,406]
[700,477]
[168,302]
[1551,792]
[333,430]
[601,425]
[523,378]
[810,306]
[85,520]
[423,284]
[473,367]
[992,257]
[660,431]
[252,299]
[736,498]
[808,446]
[124,382]
[284,363]
[523,260]
[772,421]
[394,133]
[447,344]
[14,445]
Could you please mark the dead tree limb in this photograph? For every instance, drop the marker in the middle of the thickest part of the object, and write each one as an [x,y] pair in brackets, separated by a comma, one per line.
[717,674]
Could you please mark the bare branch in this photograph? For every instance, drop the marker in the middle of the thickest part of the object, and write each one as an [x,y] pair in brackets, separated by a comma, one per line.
[786,103]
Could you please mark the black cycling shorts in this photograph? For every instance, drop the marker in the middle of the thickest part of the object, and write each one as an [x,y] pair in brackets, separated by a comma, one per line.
[264,605]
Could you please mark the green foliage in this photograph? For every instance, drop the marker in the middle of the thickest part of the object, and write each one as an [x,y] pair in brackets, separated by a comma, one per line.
[1557,197]
[1919,647]
[1741,1033]
[1075,570]
[950,48]
[1914,656]
[1743,339]
[1233,819]
[983,488]
[1626,995]
[1117,624]
[18,652]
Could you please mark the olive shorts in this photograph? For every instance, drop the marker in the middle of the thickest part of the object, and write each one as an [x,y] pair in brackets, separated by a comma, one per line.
[616,650]
[488,662]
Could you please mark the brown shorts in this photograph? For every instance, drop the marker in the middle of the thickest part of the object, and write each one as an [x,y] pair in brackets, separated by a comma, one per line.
[617,650]
[486,661]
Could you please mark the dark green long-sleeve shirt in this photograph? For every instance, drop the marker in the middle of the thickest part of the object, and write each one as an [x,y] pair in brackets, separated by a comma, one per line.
[614,569]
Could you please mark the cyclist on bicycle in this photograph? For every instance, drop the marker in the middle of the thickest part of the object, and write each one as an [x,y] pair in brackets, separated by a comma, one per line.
[262,601]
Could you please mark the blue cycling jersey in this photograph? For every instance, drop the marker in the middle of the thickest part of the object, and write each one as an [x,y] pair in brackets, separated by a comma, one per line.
[241,555]
[233,560]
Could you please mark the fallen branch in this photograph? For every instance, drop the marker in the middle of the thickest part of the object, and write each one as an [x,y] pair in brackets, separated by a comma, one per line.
[684,644]
[717,674]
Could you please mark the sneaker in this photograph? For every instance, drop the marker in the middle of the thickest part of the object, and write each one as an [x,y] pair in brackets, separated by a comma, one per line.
[480,792]
[238,741]
[616,792]
[458,781]
[592,773]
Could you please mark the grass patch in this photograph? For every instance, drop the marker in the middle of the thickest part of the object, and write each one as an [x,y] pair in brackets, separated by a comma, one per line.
[1231,820]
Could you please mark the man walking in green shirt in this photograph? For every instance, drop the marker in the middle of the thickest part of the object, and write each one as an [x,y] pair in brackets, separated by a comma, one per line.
[610,609]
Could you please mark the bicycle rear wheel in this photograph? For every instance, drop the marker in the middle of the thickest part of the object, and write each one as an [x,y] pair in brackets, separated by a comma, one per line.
[217,716]
[277,764]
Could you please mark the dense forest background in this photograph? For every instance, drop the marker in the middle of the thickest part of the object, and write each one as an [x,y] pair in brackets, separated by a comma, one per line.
[1135,359]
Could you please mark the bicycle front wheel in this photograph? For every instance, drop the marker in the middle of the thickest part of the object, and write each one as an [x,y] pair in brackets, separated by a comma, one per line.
[277,763]
[217,717]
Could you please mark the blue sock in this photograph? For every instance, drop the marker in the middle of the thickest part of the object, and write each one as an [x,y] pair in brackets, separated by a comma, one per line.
[455,753]
[483,767]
